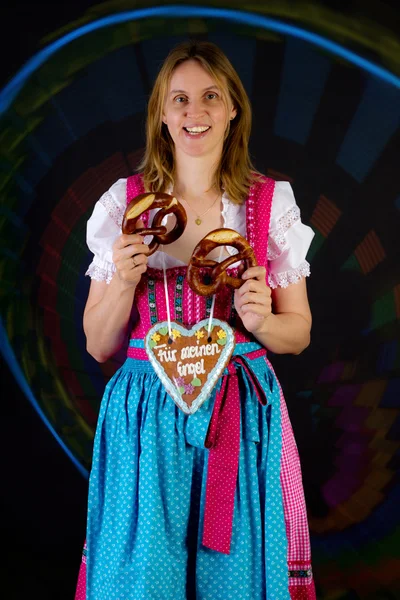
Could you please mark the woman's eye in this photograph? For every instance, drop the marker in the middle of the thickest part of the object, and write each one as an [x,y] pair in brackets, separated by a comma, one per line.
[180,99]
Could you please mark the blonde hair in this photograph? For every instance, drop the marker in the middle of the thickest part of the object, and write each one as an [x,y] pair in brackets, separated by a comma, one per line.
[235,172]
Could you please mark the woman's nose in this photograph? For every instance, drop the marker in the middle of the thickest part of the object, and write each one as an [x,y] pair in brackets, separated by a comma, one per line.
[195,109]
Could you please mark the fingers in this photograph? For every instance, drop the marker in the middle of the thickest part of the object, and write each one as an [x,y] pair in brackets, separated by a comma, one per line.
[131,269]
[254,286]
[132,262]
[252,298]
[253,303]
[259,273]
[126,246]
[259,310]
[130,257]
[127,239]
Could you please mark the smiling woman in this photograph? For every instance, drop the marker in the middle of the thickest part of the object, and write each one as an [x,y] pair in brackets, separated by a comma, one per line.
[325,95]
[200,487]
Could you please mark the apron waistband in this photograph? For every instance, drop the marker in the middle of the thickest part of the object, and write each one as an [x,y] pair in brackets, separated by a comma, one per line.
[137,351]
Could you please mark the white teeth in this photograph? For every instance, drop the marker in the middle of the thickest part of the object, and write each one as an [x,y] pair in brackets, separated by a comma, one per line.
[196,129]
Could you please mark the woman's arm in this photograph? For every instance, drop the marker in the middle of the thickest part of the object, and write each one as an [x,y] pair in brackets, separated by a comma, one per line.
[279,319]
[106,317]
[108,307]
[287,329]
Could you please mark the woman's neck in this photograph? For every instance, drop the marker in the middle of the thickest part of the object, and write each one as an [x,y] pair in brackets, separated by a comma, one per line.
[195,176]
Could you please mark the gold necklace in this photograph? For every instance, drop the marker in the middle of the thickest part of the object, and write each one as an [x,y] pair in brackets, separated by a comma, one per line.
[199,221]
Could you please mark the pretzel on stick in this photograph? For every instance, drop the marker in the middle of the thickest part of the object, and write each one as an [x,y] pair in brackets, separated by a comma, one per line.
[218,275]
[168,205]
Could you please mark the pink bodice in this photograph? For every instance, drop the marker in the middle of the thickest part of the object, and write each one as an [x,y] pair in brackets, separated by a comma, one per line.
[186,307]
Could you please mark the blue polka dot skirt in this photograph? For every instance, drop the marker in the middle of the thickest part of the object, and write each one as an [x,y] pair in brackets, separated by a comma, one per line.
[147,495]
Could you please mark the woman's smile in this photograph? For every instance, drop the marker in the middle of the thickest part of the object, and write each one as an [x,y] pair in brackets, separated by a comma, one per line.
[198,132]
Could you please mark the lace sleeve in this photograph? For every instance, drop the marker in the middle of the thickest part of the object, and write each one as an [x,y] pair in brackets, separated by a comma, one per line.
[103,227]
[289,239]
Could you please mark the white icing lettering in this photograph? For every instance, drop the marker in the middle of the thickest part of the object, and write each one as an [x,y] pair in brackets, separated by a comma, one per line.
[196,368]
[197,351]
[167,355]
[200,367]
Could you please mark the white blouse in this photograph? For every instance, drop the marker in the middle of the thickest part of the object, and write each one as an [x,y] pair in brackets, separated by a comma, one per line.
[288,242]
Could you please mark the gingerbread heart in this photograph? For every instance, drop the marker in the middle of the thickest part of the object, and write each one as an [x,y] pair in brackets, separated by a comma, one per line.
[189,361]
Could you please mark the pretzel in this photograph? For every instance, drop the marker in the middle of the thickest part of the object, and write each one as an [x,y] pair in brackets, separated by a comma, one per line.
[218,275]
[168,205]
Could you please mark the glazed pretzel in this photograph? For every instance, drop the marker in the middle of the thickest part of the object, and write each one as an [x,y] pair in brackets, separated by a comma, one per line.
[218,275]
[168,205]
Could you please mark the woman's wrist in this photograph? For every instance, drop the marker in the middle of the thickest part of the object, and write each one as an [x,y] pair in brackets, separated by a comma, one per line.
[123,286]
[265,325]
[287,333]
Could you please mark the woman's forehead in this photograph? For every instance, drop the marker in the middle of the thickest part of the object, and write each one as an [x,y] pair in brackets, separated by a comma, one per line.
[191,76]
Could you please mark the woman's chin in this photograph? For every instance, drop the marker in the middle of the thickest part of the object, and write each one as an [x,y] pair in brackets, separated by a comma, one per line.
[199,150]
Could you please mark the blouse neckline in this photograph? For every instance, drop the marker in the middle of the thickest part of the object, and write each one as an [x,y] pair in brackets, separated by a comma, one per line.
[229,213]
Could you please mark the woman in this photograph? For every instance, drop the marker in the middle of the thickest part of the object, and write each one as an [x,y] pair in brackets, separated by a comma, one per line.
[172,513]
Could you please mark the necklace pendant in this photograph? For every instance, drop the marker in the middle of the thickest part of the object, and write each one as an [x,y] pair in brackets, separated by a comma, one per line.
[198,221]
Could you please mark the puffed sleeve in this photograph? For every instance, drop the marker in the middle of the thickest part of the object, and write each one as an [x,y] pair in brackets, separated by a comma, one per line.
[288,241]
[103,227]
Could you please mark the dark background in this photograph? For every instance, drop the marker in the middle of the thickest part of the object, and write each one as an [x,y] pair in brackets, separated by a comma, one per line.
[44,495]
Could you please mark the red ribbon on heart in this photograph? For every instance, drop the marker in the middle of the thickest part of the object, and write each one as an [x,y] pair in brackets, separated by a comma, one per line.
[223,442]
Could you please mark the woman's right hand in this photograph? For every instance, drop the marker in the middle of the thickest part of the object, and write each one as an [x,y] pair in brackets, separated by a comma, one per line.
[130,257]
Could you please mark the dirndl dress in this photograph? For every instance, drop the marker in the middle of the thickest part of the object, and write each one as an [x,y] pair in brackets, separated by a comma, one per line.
[206,506]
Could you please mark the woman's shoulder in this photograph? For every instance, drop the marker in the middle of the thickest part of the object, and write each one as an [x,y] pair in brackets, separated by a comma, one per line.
[258,178]
[120,187]
[134,186]
[263,179]
[281,191]
[284,205]
[284,195]
[285,211]
[110,207]
[135,178]
[280,187]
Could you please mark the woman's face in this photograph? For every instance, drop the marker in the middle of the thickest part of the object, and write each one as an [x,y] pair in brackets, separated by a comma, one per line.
[194,111]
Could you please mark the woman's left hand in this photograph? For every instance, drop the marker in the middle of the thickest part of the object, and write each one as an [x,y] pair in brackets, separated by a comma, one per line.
[253,301]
